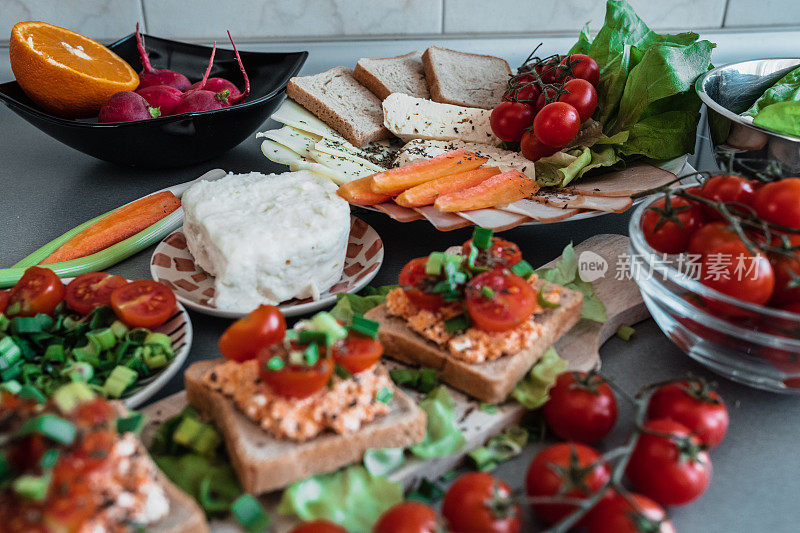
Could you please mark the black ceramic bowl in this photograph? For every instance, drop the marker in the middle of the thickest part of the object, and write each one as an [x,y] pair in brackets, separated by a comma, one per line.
[177,140]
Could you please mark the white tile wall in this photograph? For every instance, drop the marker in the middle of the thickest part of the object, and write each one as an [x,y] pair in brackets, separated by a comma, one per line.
[104,20]
[763,13]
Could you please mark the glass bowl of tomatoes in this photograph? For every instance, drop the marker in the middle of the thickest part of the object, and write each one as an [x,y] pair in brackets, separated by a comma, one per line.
[721,312]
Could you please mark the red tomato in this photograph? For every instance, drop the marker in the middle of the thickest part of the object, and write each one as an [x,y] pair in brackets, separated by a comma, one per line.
[567,469]
[786,268]
[544,98]
[408,517]
[726,188]
[479,503]
[294,381]
[89,291]
[779,202]
[731,269]
[672,470]
[585,69]
[582,96]
[39,290]
[534,150]
[695,405]
[509,120]
[507,252]
[4,296]
[412,278]
[357,352]
[246,337]
[635,513]
[667,236]
[511,302]
[557,124]
[143,303]
[549,71]
[319,526]
[523,89]
[708,236]
[582,407]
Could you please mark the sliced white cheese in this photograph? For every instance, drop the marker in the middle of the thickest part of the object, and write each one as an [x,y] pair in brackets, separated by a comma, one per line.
[347,151]
[284,156]
[348,168]
[293,114]
[419,149]
[416,118]
[296,140]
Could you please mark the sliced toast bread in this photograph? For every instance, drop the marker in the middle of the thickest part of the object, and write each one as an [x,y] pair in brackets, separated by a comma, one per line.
[400,74]
[491,381]
[264,463]
[461,78]
[185,516]
[345,105]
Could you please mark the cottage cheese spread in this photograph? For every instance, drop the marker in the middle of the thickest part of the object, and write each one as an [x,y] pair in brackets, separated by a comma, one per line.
[267,239]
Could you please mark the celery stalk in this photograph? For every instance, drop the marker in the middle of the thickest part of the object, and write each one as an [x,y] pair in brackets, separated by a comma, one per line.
[42,253]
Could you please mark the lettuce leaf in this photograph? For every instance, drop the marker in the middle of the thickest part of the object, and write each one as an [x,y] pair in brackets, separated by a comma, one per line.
[532,390]
[382,461]
[443,436]
[565,272]
[782,117]
[499,448]
[351,497]
[786,89]
[348,304]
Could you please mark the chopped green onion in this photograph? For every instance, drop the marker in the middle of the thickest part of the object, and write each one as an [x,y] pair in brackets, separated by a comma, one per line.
[55,352]
[132,423]
[103,339]
[326,323]
[89,353]
[4,322]
[49,459]
[428,380]
[29,392]
[291,335]
[365,326]
[403,376]
[522,269]
[68,396]
[11,373]
[11,386]
[209,498]
[311,354]
[482,237]
[24,325]
[120,379]
[53,427]
[384,395]
[249,513]
[544,302]
[32,487]
[342,372]
[487,292]
[490,408]
[197,436]
[433,266]
[309,336]
[275,363]
[159,339]
[10,353]
[119,329]
[625,332]
[16,307]
[456,323]
[79,371]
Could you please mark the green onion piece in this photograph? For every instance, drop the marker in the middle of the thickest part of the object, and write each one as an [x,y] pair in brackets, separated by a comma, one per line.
[490,408]
[482,238]
[249,513]
[275,363]
[90,352]
[291,335]
[522,269]
[138,336]
[384,395]
[544,302]
[121,378]
[487,292]
[119,329]
[342,372]
[625,332]
[70,395]
[365,326]
[11,373]
[26,325]
[403,376]
[49,459]
[32,487]
[309,336]
[456,259]
[29,392]
[193,434]
[4,322]
[50,426]
[103,339]
[428,380]
[10,353]
[456,323]
[16,307]
[326,323]
[13,386]
[209,498]
[159,339]
[132,423]
[433,266]
[55,352]
[311,354]
[79,371]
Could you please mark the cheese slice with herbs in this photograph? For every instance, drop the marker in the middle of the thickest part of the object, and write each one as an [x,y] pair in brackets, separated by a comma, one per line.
[418,150]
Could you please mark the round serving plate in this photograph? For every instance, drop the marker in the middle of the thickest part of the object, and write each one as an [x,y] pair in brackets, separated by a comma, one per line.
[173,265]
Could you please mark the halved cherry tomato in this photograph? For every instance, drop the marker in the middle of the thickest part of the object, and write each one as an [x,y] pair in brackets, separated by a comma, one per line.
[262,327]
[294,381]
[408,517]
[357,352]
[4,296]
[319,526]
[39,290]
[91,290]
[413,280]
[143,303]
[499,300]
[507,252]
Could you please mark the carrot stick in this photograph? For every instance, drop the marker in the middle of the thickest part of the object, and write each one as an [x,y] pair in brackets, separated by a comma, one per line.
[359,192]
[427,193]
[499,189]
[396,180]
[126,221]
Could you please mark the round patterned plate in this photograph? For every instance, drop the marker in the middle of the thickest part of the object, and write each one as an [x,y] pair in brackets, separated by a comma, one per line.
[174,266]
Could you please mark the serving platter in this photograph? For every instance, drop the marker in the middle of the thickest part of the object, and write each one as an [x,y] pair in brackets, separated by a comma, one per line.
[173,265]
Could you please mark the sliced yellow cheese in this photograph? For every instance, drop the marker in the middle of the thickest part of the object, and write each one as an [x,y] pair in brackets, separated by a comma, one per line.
[284,156]
[347,151]
[348,168]
[293,139]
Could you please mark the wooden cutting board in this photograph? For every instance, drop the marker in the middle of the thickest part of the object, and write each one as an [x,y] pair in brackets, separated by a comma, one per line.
[580,347]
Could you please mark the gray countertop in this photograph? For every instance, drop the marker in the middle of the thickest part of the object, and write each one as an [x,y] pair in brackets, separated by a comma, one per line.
[47,188]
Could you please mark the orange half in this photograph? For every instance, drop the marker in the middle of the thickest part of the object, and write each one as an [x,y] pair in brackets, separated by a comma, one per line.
[64,72]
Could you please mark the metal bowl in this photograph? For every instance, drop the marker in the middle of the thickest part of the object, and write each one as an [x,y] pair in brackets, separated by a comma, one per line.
[730,90]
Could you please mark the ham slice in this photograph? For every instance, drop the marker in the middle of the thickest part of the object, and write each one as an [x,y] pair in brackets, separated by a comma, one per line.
[621,183]
[495,219]
[398,212]
[540,212]
[441,220]
[578,201]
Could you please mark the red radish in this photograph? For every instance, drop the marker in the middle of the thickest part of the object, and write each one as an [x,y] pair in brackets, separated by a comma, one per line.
[158,76]
[239,99]
[162,97]
[126,106]
[217,85]
[200,99]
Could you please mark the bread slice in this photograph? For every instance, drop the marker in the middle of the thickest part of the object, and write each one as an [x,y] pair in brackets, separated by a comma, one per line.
[460,78]
[399,74]
[491,381]
[264,463]
[345,105]
[185,516]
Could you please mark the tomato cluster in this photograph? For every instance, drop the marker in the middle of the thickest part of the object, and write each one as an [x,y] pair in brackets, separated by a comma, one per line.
[545,104]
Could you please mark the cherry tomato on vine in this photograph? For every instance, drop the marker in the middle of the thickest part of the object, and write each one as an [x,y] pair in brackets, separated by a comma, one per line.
[509,120]
[499,300]
[557,124]
[708,236]
[668,230]
[727,188]
[262,327]
[523,89]
[669,464]
[582,96]
[544,98]
[413,280]
[533,149]
[294,381]
[548,70]
[91,290]
[479,503]
[39,290]
[695,405]
[582,407]
[787,269]
[567,469]
[319,526]
[779,202]
[408,517]
[585,69]
[731,269]
[632,513]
